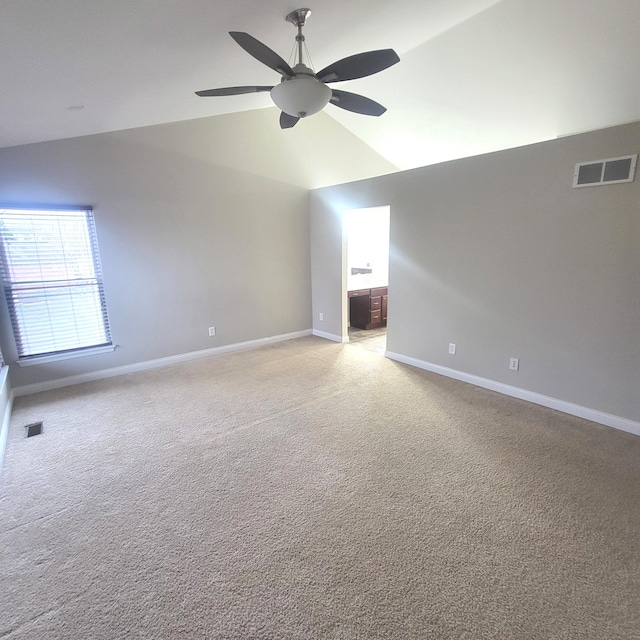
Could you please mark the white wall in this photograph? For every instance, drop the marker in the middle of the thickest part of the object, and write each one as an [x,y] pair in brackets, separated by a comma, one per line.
[199,223]
[6,401]
[500,255]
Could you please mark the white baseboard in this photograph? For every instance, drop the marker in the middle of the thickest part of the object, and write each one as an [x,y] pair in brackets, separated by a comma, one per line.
[5,412]
[154,364]
[330,336]
[607,419]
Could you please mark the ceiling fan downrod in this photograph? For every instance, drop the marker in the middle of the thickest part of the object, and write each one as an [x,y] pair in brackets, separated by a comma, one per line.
[298,18]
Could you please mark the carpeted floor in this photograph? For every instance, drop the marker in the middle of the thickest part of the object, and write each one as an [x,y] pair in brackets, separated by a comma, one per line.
[313,490]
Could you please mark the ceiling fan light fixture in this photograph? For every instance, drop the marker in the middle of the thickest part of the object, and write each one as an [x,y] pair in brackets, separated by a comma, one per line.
[301,91]
[301,96]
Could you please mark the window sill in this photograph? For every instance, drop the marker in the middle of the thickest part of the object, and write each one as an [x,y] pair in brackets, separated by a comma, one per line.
[55,357]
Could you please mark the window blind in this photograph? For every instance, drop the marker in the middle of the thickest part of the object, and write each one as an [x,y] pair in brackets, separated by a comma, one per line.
[52,280]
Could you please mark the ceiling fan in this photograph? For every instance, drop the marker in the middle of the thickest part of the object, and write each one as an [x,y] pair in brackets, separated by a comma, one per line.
[303,92]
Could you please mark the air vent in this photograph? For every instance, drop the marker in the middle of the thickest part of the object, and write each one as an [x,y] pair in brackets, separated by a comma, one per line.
[611,171]
[34,429]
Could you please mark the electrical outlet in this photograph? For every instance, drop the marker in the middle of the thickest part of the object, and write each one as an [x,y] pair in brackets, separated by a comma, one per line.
[452,348]
[321,315]
[212,331]
[514,364]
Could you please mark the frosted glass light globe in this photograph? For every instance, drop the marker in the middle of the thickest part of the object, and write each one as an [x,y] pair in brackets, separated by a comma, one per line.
[301,96]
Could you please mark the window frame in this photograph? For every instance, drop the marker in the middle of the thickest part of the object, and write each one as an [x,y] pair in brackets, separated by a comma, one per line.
[12,288]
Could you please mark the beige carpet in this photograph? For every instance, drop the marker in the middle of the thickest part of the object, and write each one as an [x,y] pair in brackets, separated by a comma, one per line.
[311,490]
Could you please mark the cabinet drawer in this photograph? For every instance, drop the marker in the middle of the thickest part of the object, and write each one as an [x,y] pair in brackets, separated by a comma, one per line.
[360,293]
[376,317]
[380,291]
[376,303]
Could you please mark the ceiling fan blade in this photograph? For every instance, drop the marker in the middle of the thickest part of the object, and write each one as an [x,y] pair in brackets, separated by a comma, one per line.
[231,91]
[356,103]
[287,121]
[262,53]
[358,66]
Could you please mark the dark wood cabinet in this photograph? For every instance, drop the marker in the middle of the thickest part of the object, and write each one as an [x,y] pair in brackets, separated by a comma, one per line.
[368,308]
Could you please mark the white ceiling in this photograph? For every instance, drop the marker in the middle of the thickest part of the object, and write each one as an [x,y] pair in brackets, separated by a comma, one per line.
[474,76]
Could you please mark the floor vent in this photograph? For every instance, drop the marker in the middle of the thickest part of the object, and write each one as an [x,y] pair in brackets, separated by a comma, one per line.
[610,171]
[34,429]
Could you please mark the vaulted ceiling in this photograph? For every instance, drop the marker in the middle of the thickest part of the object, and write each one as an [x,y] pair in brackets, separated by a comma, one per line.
[475,75]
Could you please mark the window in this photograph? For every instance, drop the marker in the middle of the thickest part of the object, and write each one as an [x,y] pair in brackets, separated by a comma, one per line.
[52,282]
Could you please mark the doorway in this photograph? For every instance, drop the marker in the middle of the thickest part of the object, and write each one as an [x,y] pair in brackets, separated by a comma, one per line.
[365,294]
